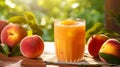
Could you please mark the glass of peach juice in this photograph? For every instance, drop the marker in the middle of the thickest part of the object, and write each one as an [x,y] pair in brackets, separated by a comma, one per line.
[69,37]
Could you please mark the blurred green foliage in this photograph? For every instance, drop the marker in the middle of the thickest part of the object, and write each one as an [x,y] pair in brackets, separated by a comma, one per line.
[48,10]
[99,28]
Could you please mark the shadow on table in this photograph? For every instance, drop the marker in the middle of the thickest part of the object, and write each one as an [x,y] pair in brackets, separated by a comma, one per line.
[20,61]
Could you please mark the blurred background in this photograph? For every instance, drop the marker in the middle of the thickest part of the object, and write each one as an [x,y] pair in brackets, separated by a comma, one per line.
[46,11]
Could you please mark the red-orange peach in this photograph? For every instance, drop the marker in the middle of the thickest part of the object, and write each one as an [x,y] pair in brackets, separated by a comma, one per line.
[94,44]
[12,34]
[32,46]
[3,23]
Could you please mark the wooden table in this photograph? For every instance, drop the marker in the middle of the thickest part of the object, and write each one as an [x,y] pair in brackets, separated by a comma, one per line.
[20,61]
[47,59]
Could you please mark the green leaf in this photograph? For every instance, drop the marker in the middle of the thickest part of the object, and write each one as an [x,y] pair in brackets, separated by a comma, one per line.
[29,32]
[17,19]
[16,51]
[31,21]
[30,17]
[97,27]
[37,31]
[110,58]
[4,49]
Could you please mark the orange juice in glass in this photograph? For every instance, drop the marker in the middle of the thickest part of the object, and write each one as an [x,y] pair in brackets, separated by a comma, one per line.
[69,40]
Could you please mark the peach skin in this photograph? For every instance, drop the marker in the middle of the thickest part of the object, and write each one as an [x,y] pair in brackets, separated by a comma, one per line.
[12,34]
[32,46]
[94,44]
[110,51]
[3,23]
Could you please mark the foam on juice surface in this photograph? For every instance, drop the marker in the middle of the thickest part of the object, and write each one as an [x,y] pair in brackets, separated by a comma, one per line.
[69,22]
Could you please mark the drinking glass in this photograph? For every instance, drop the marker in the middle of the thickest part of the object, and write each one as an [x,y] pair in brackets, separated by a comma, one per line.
[69,36]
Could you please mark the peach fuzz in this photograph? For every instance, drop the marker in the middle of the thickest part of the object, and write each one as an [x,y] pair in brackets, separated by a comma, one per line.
[32,46]
[94,44]
[12,34]
[3,23]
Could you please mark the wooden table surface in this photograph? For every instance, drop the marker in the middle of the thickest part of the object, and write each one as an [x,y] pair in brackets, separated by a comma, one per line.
[20,61]
[47,59]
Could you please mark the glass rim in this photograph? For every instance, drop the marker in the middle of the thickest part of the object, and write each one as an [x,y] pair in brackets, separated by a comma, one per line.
[76,19]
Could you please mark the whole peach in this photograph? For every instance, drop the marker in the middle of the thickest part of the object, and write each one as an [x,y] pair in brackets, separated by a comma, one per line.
[111,46]
[94,44]
[110,51]
[3,23]
[32,46]
[12,34]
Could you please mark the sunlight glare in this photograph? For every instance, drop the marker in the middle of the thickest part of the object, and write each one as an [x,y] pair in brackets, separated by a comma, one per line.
[75,5]
[10,4]
[43,21]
